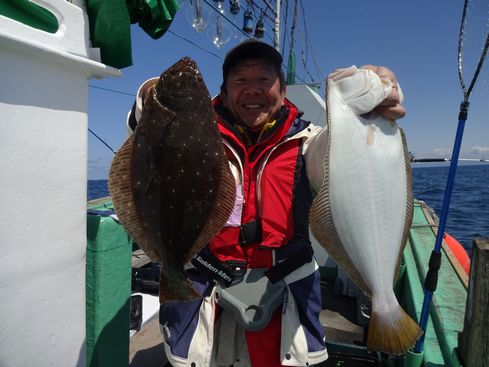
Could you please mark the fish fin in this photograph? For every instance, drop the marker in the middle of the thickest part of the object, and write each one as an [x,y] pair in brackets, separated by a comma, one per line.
[220,212]
[175,285]
[409,201]
[123,200]
[392,332]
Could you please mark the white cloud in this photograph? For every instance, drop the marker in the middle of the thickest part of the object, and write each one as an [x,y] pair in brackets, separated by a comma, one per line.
[475,152]
[480,152]
[441,152]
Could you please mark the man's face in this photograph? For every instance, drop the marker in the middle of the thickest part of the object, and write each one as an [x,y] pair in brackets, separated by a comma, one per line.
[253,93]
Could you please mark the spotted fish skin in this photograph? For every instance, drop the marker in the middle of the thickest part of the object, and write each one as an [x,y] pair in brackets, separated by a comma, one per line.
[181,188]
[363,211]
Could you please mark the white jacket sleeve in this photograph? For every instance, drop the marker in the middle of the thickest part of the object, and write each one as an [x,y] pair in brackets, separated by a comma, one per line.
[361,90]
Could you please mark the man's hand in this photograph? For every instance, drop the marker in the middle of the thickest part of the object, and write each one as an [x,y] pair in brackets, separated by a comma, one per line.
[391,107]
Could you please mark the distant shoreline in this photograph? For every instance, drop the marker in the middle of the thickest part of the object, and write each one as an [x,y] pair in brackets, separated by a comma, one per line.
[413,165]
[446,164]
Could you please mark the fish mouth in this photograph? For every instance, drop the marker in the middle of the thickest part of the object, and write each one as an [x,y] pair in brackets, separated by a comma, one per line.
[180,85]
[186,62]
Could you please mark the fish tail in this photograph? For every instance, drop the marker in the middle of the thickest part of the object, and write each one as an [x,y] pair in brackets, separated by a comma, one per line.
[392,332]
[175,286]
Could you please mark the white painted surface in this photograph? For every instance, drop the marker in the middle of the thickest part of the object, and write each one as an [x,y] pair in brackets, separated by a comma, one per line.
[151,308]
[309,102]
[72,35]
[43,175]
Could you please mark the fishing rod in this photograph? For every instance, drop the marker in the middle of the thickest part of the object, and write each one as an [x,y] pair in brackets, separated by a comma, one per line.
[103,141]
[435,259]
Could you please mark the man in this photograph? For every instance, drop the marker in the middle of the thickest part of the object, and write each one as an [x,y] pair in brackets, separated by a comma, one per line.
[276,158]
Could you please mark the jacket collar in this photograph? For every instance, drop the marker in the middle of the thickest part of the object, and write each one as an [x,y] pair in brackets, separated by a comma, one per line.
[287,116]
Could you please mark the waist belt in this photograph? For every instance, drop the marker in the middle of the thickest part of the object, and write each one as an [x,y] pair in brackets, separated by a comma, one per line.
[293,262]
[224,273]
[231,272]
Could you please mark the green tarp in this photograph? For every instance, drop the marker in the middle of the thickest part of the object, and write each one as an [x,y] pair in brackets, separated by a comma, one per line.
[110,25]
[154,16]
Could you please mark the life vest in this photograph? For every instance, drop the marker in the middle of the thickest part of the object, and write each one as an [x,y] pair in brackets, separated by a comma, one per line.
[273,196]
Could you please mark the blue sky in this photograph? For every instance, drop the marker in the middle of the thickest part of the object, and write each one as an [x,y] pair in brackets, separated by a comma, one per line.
[417,39]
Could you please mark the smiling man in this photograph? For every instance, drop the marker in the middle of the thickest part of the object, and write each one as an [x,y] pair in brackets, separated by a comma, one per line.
[253,90]
[275,157]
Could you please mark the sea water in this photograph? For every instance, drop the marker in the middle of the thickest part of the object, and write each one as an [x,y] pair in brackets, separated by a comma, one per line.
[468,216]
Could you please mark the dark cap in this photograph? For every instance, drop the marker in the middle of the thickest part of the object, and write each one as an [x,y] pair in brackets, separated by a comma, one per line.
[250,49]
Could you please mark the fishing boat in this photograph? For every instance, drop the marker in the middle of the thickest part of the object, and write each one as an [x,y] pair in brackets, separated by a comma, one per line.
[72,278]
[342,317]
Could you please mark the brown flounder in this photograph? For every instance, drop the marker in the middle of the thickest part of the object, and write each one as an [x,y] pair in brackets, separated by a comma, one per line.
[170,182]
[363,211]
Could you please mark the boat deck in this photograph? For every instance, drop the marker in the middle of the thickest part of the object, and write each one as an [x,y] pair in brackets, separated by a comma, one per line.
[146,346]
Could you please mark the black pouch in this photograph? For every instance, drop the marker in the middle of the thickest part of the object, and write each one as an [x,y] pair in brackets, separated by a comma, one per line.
[146,279]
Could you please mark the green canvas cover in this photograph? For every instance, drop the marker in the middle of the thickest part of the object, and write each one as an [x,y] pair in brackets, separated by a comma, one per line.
[110,22]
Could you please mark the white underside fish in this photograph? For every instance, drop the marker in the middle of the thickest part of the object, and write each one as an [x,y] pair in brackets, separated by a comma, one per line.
[363,211]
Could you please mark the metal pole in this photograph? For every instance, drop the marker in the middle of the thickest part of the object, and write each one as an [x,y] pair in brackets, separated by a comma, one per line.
[276,29]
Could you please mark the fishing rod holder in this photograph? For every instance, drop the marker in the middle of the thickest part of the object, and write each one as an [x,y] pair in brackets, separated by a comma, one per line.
[431,280]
